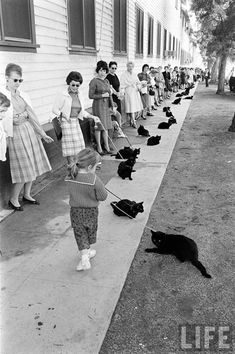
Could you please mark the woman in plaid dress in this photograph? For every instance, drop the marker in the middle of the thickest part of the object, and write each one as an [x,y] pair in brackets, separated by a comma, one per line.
[69,106]
[28,158]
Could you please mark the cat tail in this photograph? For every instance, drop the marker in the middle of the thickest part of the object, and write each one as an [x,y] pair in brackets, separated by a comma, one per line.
[202,269]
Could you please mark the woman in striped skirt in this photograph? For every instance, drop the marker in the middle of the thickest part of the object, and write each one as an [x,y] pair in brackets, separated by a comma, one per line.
[27,155]
[69,107]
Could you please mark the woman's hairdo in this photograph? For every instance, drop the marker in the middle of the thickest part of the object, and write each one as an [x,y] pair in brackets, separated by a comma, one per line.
[130,63]
[145,66]
[13,67]
[101,65]
[111,63]
[74,76]
[4,101]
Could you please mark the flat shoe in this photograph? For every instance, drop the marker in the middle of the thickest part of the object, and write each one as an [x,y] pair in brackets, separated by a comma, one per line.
[107,152]
[101,153]
[12,206]
[35,202]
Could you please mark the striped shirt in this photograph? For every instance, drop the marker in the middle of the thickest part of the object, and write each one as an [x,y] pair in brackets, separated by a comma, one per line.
[86,190]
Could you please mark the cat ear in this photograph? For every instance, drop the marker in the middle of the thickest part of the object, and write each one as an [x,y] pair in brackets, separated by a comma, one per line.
[142,203]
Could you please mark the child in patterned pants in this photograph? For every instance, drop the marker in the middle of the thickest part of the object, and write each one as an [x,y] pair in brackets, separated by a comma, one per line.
[86,190]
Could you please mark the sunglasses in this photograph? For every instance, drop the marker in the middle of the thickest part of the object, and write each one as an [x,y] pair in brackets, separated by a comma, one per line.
[73,85]
[114,67]
[16,80]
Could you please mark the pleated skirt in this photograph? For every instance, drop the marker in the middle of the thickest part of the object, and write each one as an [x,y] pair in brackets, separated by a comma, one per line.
[72,138]
[28,158]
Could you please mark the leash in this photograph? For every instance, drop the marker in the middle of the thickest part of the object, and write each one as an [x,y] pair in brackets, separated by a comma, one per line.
[129,216]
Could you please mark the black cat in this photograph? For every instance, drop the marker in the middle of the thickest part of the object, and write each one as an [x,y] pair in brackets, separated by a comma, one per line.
[125,168]
[182,247]
[166,125]
[126,206]
[154,140]
[142,131]
[178,95]
[188,98]
[169,114]
[126,153]
[177,101]
[165,109]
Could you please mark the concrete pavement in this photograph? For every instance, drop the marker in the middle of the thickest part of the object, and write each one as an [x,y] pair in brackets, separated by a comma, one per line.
[48,307]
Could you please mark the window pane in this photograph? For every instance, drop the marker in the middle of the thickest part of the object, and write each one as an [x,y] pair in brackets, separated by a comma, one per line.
[169,41]
[123,25]
[117,34]
[76,22]
[16,19]
[137,30]
[165,39]
[141,31]
[89,18]
[150,36]
[159,30]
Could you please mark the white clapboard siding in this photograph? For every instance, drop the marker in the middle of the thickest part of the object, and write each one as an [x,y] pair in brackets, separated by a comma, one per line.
[45,71]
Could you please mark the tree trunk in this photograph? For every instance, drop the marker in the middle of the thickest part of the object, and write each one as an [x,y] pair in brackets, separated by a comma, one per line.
[214,71]
[221,78]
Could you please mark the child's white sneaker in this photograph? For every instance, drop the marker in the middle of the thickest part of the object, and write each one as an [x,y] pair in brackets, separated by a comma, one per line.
[92,253]
[84,263]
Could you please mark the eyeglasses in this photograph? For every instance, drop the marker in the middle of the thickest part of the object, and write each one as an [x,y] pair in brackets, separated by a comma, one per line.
[73,85]
[16,80]
[114,67]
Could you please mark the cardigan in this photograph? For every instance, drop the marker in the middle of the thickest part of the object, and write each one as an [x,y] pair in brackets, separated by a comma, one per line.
[63,104]
[86,190]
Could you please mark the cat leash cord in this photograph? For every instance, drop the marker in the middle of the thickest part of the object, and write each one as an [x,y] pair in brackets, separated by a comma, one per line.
[129,216]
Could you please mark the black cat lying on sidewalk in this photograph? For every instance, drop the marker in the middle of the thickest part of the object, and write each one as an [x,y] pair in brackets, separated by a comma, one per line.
[182,247]
[142,131]
[166,125]
[126,207]
[126,153]
[154,140]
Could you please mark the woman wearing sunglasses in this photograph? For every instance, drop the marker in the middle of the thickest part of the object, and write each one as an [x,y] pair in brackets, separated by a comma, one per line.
[27,155]
[69,106]
[115,84]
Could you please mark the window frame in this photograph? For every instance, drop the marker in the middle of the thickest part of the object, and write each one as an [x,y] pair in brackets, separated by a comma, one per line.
[115,51]
[150,35]
[164,42]
[75,49]
[138,31]
[19,44]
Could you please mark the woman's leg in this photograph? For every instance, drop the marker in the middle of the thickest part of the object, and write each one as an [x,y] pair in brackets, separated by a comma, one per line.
[16,189]
[132,120]
[106,140]
[27,191]
[97,138]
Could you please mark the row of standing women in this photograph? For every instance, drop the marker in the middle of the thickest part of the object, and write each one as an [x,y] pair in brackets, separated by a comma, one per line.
[27,155]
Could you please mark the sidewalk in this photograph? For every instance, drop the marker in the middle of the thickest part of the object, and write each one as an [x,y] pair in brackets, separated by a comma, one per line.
[48,307]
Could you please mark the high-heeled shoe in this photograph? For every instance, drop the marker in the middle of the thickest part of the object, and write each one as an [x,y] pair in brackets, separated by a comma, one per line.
[12,206]
[35,202]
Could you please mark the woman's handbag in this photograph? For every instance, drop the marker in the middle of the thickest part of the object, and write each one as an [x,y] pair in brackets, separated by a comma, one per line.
[56,122]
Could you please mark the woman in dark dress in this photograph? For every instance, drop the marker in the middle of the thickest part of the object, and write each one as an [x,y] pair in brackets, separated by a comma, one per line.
[100,92]
[115,84]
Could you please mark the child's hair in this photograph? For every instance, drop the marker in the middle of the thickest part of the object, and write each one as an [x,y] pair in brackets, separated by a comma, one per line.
[4,101]
[86,157]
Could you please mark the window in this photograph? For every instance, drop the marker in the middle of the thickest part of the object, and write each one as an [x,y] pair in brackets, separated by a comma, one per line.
[176,48]
[120,26]
[173,48]
[164,41]
[17,28]
[81,15]
[150,36]
[159,36]
[139,31]
[169,45]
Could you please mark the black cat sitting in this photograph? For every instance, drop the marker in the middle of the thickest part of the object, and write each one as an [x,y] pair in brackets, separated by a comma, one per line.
[182,247]
[126,153]
[165,109]
[154,140]
[169,114]
[125,168]
[166,125]
[126,207]
[142,131]
[178,95]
